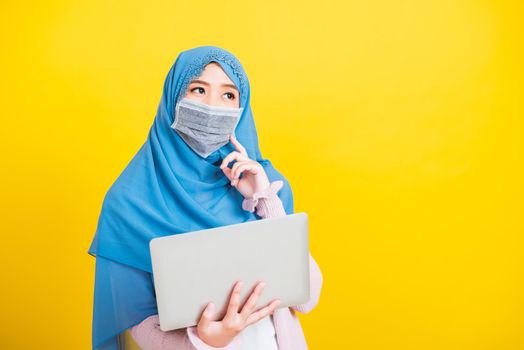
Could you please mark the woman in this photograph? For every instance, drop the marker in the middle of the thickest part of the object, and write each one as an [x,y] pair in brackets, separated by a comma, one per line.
[181,180]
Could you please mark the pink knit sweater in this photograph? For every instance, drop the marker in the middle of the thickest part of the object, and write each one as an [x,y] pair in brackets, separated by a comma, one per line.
[148,335]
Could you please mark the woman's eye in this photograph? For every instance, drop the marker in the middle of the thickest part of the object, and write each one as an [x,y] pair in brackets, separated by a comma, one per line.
[200,90]
[230,96]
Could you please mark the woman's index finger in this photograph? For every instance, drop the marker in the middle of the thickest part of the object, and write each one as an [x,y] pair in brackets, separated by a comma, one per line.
[237,145]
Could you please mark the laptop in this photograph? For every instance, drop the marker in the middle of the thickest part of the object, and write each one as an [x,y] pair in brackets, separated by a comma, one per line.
[193,268]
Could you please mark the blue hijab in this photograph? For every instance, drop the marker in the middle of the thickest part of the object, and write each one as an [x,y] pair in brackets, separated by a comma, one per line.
[166,189]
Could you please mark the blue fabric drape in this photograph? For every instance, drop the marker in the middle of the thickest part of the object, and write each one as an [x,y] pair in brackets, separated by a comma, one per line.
[166,189]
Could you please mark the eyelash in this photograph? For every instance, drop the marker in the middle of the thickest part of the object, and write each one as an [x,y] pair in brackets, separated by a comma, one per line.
[193,89]
[198,87]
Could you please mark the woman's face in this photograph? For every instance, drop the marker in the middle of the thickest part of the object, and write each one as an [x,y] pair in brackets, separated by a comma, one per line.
[213,87]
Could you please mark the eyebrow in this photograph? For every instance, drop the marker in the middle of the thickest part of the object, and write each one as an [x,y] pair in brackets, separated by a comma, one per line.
[207,84]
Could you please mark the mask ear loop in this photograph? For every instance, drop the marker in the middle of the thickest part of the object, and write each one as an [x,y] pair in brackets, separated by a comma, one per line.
[238,121]
[175,122]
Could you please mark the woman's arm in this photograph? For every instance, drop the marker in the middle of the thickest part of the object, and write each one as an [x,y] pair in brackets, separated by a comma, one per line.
[149,336]
[269,205]
[315,286]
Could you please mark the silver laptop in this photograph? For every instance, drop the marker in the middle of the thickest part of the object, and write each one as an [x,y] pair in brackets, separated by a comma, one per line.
[193,268]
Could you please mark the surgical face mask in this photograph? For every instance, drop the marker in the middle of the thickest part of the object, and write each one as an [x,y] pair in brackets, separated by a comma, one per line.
[203,127]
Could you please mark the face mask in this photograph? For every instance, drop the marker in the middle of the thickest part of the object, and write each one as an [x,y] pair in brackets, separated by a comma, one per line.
[205,128]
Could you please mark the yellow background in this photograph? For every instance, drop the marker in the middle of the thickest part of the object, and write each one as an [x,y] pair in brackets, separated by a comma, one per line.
[398,123]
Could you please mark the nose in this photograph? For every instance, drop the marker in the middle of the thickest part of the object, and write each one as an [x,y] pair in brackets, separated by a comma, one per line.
[213,99]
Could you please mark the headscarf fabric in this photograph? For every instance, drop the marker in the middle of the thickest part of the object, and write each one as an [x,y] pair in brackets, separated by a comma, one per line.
[166,189]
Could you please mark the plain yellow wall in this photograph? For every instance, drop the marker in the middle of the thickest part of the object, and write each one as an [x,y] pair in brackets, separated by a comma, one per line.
[398,123]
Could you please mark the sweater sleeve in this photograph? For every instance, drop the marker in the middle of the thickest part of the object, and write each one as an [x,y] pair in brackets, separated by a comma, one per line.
[269,206]
[315,286]
[265,200]
[149,336]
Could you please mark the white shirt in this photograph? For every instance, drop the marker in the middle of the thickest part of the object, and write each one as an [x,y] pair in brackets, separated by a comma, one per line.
[260,335]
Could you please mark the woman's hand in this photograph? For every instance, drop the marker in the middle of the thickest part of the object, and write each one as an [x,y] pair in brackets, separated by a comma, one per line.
[221,333]
[254,178]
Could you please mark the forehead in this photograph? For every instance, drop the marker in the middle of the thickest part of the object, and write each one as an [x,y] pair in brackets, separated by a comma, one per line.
[202,61]
[214,72]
